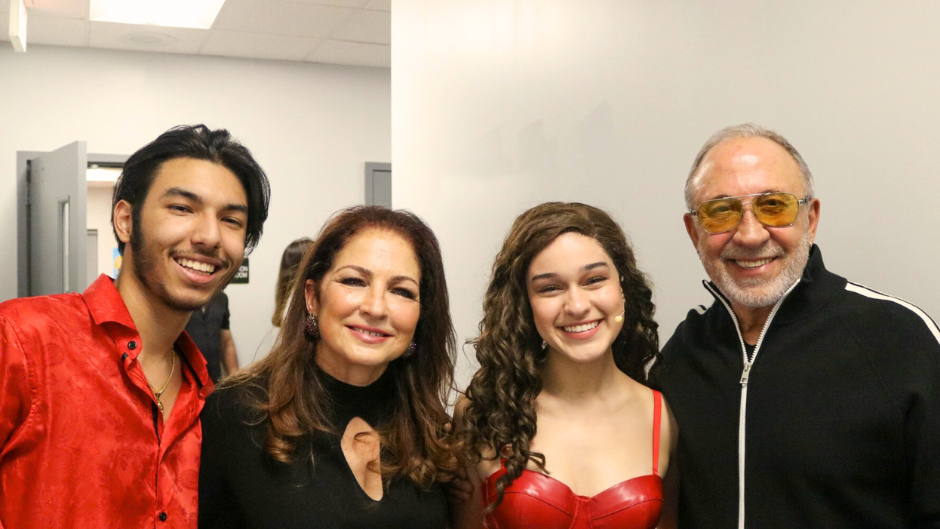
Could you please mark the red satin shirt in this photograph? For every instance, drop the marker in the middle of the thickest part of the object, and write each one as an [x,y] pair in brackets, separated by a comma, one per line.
[82,443]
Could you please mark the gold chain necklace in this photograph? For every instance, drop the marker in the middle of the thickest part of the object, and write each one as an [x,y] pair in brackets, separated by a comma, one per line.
[166,384]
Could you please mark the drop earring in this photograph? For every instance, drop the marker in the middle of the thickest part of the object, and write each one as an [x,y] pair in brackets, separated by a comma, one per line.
[311,327]
[619,318]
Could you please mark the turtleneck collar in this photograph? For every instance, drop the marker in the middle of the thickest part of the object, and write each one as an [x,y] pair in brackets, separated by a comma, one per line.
[373,403]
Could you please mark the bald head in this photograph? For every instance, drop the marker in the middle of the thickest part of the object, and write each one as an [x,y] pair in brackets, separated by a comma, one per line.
[748,130]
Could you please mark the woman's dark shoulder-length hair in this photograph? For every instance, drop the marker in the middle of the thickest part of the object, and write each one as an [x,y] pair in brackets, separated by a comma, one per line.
[500,414]
[294,398]
[290,261]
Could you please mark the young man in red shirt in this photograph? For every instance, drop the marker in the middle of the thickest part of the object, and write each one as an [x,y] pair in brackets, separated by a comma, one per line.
[100,392]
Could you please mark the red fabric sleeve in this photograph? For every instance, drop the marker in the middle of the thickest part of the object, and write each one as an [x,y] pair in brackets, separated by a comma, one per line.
[15,391]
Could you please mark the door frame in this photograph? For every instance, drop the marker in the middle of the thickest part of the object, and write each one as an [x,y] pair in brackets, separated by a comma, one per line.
[22,209]
[375,195]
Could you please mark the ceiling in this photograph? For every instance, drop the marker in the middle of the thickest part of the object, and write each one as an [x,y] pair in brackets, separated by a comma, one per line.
[355,32]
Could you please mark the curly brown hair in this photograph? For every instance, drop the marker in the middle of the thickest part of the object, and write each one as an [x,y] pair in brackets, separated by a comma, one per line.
[500,415]
[290,393]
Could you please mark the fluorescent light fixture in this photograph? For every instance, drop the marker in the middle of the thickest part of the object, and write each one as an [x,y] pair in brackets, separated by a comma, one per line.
[18,25]
[170,13]
[102,174]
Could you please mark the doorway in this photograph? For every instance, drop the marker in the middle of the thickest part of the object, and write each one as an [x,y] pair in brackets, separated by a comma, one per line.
[62,196]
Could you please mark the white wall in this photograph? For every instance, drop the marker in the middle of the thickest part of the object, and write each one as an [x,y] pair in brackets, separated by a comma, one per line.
[311,126]
[98,212]
[502,104]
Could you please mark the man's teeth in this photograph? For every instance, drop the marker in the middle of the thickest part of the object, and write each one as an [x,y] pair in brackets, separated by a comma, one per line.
[753,264]
[196,265]
[582,328]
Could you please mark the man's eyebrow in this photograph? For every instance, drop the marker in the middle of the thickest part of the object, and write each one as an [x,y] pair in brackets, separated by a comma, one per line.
[189,195]
[766,191]
[180,192]
[236,207]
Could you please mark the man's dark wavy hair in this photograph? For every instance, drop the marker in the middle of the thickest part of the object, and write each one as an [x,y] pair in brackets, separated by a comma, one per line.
[500,416]
[200,143]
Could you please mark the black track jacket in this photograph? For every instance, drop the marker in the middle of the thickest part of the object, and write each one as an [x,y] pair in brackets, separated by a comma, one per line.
[835,424]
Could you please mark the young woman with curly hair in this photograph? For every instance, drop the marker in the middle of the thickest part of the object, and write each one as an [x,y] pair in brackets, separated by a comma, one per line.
[343,424]
[563,430]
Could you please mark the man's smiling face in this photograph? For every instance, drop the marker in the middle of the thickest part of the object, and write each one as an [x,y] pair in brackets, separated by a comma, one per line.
[190,237]
[752,264]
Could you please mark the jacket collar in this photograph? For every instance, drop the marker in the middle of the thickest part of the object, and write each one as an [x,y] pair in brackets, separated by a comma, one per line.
[816,288]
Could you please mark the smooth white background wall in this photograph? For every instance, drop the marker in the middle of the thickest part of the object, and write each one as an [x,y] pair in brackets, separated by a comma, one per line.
[499,105]
[311,126]
[98,211]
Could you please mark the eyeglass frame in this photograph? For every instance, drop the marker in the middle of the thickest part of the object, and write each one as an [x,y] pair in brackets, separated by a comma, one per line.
[799,202]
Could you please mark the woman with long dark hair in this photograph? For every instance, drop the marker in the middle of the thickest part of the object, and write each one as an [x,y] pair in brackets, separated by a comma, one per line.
[343,424]
[562,428]
[290,261]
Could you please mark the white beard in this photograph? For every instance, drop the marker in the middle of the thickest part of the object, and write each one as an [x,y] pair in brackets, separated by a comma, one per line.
[757,292]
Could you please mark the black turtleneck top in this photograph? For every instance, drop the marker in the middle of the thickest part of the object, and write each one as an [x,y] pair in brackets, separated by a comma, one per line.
[241,487]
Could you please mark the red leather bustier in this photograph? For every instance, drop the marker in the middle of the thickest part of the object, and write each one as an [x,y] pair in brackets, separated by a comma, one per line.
[536,500]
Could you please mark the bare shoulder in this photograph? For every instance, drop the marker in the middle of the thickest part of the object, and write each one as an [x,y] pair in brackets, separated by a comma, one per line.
[668,436]
[669,427]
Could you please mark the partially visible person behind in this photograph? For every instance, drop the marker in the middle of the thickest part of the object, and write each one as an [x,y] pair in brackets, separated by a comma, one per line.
[100,392]
[210,330]
[290,262]
[343,424]
[805,400]
[563,430]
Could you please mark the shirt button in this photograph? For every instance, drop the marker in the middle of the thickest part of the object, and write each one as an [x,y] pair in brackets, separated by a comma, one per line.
[162,516]
[132,345]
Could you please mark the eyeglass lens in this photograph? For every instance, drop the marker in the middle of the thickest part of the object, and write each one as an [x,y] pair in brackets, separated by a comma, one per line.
[771,209]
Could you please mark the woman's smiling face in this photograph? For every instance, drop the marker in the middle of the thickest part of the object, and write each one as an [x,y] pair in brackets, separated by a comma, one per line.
[368,306]
[575,297]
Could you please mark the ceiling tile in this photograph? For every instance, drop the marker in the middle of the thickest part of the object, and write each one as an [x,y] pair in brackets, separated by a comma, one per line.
[280,18]
[366,26]
[57,31]
[145,38]
[60,8]
[258,45]
[379,5]
[355,53]
[359,31]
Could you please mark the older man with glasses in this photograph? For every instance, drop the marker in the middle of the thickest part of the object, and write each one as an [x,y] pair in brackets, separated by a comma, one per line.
[803,399]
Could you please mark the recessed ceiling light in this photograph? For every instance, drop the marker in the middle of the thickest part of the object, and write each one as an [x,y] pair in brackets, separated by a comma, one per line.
[149,39]
[171,13]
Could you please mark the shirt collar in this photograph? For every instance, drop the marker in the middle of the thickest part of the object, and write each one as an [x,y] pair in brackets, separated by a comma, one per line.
[107,306]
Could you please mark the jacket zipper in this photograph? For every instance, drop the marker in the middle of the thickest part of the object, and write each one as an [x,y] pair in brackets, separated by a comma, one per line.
[745,373]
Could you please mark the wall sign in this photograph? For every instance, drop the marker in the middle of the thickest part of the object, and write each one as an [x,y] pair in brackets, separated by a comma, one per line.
[241,276]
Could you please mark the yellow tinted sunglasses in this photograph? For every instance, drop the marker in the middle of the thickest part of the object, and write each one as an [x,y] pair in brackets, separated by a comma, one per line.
[775,210]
